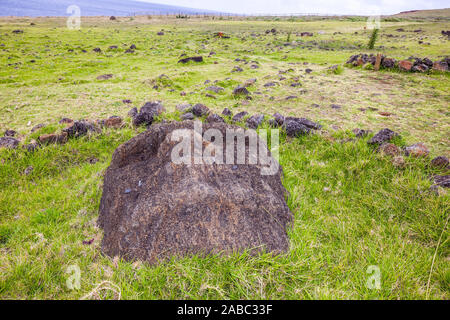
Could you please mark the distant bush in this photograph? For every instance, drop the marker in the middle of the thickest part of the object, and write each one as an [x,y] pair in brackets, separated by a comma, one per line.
[182,16]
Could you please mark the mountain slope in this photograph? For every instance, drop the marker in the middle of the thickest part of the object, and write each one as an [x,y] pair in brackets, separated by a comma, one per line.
[437,13]
[89,8]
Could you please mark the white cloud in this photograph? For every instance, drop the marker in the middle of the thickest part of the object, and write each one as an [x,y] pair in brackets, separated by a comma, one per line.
[367,7]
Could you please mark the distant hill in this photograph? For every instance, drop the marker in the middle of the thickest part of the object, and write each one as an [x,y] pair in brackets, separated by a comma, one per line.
[36,8]
[438,13]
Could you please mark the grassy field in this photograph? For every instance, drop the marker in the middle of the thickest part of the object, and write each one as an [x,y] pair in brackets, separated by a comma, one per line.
[353,209]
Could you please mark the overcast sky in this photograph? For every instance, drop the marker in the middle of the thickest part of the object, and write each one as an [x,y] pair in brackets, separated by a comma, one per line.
[366,7]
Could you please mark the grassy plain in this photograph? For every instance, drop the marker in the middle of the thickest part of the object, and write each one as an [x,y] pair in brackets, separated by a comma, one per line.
[353,209]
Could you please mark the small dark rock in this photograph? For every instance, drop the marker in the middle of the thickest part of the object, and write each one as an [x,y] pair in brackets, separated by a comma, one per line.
[133,112]
[417,150]
[147,113]
[238,117]
[53,138]
[440,162]
[360,133]
[215,89]
[305,122]
[442,181]
[8,142]
[10,133]
[79,128]
[214,118]
[294,128]
[195,59]
[200,110]
[105,77]
[227,112]
[255,121]
[384,135]
[241,91]
[188,116]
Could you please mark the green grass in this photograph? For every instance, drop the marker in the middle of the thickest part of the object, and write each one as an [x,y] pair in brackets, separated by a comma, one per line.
[353,209]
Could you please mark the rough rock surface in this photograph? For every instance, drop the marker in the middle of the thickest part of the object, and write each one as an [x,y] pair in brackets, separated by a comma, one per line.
[195,59]
[147,113]
[294,128]
[79,128]
[255,121]
[200,110]
[384,135]
[417,150]
[8,142]
[440,162]
[442,181]
[152,209]
[238,117]
[389,149]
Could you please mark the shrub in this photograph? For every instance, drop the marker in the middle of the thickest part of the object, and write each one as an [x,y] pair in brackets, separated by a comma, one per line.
[373,38]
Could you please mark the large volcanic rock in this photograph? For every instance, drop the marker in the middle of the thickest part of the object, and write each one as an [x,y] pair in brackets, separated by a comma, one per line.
[152,208]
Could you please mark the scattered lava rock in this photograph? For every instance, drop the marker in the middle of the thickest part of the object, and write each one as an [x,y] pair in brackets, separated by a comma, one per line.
[214,118]
[10,133]
[227,112]
[360,133]
[384,135]
[277,121]
[8,142]
[442,181]
[294,128]
[105,77]
[32,146]
[305,122]
[79,129]
[187,116]
[389,149]
[405,65]
[440,162]
[53,138]
[184,107]
[398,161]
[148,112]
[37,127]
[112,122]
[417,150]
[66,121]
[238,117]
[215,89]
[241,90]
[195,59]
[255,121]
[200,110]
